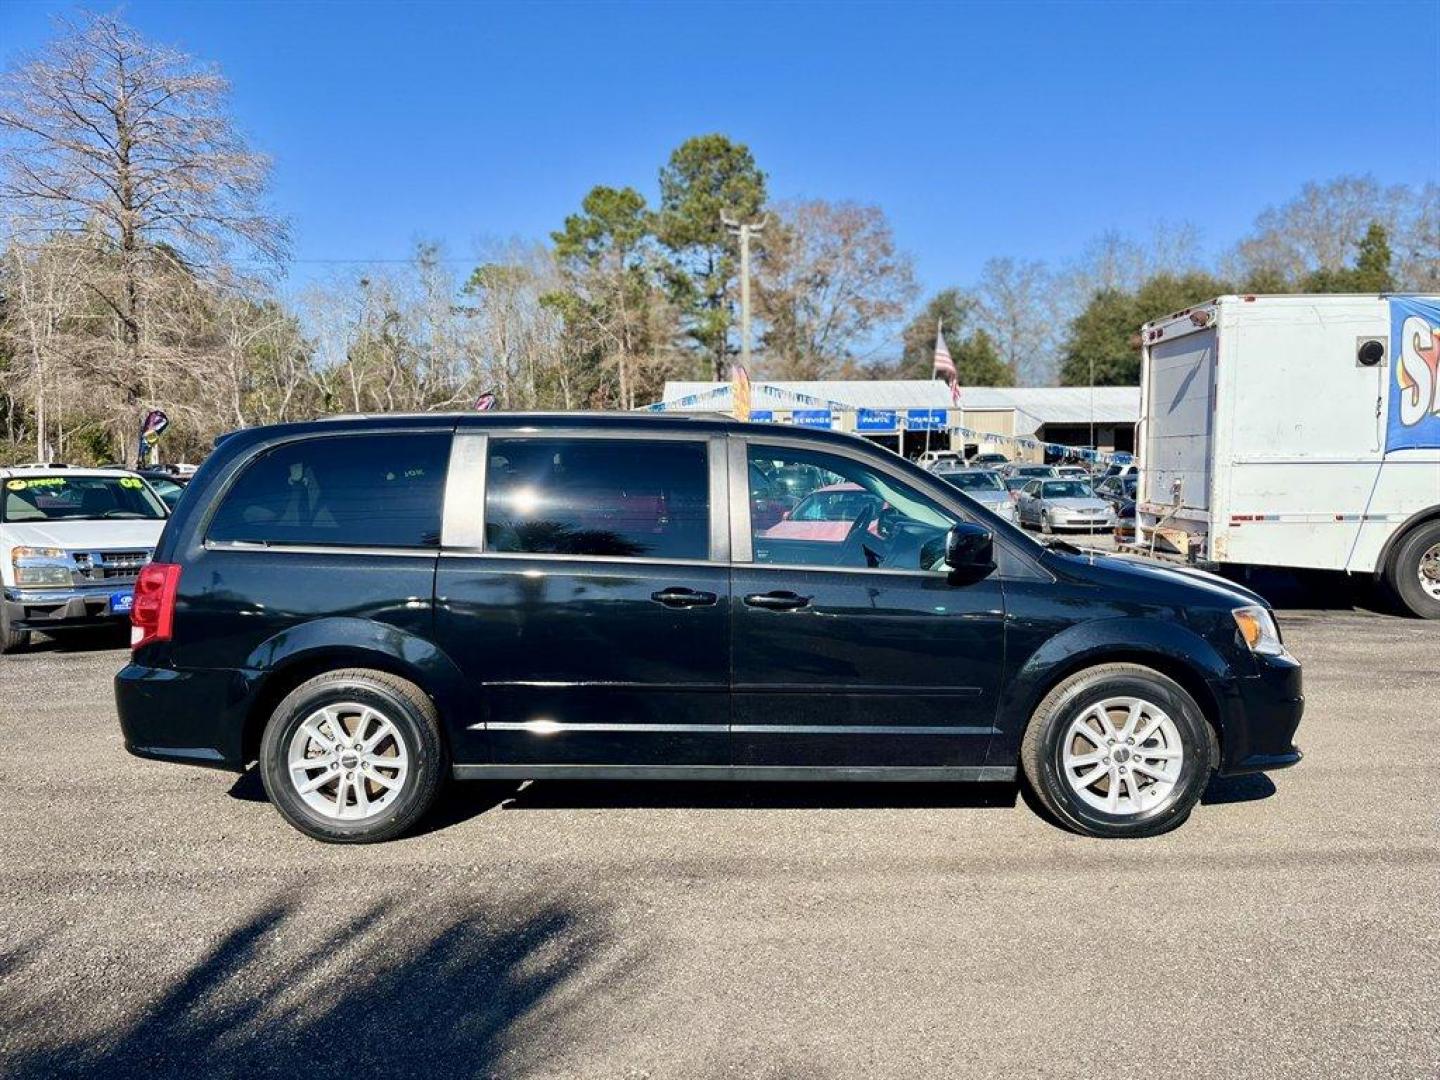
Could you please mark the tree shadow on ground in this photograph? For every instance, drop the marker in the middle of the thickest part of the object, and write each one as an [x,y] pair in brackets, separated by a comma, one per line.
[412,990]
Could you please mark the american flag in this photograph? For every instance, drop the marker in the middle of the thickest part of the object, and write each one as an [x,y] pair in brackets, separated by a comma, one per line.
[944,366]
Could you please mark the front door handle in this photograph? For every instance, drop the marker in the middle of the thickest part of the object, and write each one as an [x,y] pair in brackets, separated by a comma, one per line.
[777,601]
[683,598]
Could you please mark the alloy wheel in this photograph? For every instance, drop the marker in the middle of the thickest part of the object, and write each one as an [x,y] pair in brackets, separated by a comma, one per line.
[347,761]
[1123,756]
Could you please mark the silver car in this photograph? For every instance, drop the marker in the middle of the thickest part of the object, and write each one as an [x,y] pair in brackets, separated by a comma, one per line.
[1052,505]
[982,485]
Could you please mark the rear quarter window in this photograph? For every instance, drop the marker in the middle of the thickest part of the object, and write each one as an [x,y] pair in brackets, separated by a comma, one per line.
[340,491]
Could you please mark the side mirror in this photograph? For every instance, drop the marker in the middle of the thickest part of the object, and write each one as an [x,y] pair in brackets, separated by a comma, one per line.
[970,549]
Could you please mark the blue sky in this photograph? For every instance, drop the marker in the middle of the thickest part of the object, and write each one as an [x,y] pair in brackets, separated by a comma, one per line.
[1016,129]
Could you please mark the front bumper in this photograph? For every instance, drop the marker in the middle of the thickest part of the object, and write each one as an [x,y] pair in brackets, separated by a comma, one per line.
[59,609]
[1261,714]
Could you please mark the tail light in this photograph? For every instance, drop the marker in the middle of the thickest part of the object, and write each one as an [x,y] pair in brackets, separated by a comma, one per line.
[152,616]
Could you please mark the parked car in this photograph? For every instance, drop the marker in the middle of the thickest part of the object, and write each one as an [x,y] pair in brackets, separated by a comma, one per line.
[1117,490]
[1125,530]
[1028,472]
[1073,472]
[1050,505]
[989,460]
[930,458]
[1117,469]
[168,485]
[985,487]
[72,542]
[1013,484]
[369,606]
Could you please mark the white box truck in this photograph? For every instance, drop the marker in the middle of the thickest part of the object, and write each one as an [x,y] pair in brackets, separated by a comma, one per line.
[1296,431]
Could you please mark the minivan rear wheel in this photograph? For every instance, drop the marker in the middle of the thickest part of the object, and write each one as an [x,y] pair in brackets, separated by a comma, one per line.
[1118,750]
[353,756]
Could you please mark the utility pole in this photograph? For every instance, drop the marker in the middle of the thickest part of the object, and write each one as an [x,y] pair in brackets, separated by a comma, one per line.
[745,230]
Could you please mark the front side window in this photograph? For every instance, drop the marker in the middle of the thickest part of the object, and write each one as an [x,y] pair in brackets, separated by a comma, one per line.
[622,498]
[346,491]
[78,498]
[846,514]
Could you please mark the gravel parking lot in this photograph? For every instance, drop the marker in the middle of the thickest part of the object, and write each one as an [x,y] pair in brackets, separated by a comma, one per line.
[162,921]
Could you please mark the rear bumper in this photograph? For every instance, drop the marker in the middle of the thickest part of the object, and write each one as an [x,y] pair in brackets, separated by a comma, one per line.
[192,717]
[1262,713]
[59,609]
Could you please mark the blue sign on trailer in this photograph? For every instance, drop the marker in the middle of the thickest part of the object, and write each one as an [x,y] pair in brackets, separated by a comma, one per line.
[926,419]
[816,418]
[875,420]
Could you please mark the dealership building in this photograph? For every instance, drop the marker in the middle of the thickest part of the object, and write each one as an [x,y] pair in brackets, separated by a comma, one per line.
[912,415]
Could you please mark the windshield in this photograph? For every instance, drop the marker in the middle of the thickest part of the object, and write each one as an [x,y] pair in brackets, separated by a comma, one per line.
[79,498]
[974,480]
[1066,489]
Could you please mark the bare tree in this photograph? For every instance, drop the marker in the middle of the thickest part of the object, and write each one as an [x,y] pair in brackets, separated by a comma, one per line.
[42,306]
[830,283]
[108,134]
[1018,308]
[1317,229]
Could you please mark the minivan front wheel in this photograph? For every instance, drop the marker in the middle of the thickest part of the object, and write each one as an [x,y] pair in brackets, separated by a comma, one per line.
[353,756]
[1118,750]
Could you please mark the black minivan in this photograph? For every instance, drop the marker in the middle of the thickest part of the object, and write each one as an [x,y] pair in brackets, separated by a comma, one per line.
[370,606]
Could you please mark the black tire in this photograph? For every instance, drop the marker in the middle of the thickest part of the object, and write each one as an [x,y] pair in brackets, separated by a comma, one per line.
[1042,749]
[11,640]
[1402,573]
[412,713]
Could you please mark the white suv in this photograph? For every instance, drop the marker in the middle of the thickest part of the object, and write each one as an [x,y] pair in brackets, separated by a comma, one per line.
[72,542]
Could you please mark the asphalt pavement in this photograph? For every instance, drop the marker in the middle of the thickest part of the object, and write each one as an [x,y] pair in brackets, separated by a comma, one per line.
[162,921]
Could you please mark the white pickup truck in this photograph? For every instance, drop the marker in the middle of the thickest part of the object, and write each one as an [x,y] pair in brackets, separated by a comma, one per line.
[1296,431]
[72,542]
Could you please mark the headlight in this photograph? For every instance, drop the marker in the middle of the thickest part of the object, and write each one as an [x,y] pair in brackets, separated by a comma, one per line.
[1258,630]
[37,566]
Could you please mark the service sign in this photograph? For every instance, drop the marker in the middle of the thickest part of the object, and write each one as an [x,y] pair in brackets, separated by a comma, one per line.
[762,416]
[1414,375]
[816,418]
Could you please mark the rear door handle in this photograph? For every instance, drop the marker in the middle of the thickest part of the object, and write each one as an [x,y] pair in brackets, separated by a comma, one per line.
[682,598]
[777,601]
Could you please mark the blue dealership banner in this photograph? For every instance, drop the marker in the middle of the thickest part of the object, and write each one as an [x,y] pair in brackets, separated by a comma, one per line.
[875,420]
[762,416]
[1414,421]
[816,418]
[927,419]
